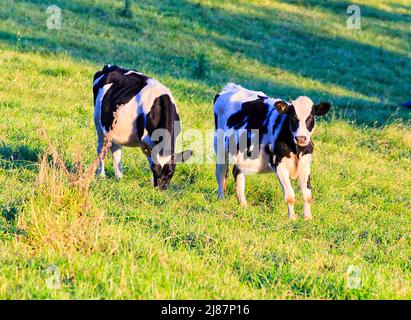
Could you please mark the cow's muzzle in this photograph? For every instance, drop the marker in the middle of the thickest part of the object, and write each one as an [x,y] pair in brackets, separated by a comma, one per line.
[301,140]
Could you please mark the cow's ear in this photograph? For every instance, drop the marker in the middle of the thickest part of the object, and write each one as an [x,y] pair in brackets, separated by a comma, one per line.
[146,149]
[321,109]
[282,106]
[183,156]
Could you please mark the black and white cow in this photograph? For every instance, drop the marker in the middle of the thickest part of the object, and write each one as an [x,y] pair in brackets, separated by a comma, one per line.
[146,108]
[277,138]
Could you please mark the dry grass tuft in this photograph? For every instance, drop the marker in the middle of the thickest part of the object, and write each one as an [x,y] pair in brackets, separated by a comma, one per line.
[60,213]
[82,177]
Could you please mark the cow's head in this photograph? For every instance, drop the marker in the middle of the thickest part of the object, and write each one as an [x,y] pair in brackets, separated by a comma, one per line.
[163,166]
[301,113]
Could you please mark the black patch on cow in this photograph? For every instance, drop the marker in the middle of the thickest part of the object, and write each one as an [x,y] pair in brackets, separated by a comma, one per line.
[293,119]
[123,89]
[215,120]
[140,125]
[236,172]
[322,108]
[310,122]
[277,123]
[106,70]
[216,97]
[284,145]
[309,182]
[253,115]
[163,115]
[308,149]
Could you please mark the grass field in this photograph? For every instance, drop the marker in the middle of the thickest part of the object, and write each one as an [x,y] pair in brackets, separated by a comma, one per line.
[122,239]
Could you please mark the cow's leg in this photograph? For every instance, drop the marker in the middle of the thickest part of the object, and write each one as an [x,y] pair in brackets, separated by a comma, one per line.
[221,176]
[304,166]
[240,186]
[289,195]
[221,169]
[116,152]
[100,141]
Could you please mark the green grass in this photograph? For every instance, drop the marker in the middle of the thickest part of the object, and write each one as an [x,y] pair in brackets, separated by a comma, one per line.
[131,241]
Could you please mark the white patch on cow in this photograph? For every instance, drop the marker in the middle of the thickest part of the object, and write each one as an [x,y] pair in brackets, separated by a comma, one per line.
[240,189]
[283,175]
[132,71]
[250,166]
[163,160]
[151,92]
[303,107]
[304,167]
[232,97]
[99,127]
[291,163]
[125,132]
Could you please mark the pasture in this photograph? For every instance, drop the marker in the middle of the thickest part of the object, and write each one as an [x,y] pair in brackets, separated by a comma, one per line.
[121,239]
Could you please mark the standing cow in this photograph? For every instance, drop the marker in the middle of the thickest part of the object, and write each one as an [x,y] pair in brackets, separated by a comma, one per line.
[147,118]
[276,136]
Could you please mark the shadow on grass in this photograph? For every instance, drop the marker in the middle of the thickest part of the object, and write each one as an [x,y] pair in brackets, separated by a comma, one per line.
[340,7]
[21,156]
[8,221]
[153,45]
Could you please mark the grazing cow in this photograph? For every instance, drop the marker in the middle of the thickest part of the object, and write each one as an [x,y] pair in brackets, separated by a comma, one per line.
[145,109]
[276,136]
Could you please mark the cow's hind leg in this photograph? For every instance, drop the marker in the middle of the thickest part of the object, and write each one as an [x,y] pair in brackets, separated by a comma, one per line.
[221,176]
[289,194]
[240,186]
[116,150]
[100,142]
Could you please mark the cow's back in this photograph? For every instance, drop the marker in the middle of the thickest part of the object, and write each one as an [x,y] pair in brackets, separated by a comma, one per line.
[146,104]
[239,112]
[230,101]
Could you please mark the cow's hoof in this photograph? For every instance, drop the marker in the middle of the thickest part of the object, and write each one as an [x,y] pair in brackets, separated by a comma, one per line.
[308,217]
[243,204]
[292,217]
[119,176]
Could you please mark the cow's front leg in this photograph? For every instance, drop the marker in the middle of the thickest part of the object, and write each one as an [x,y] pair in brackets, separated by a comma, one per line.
[289,195]
[304,167]
[240,186]
[116,150]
